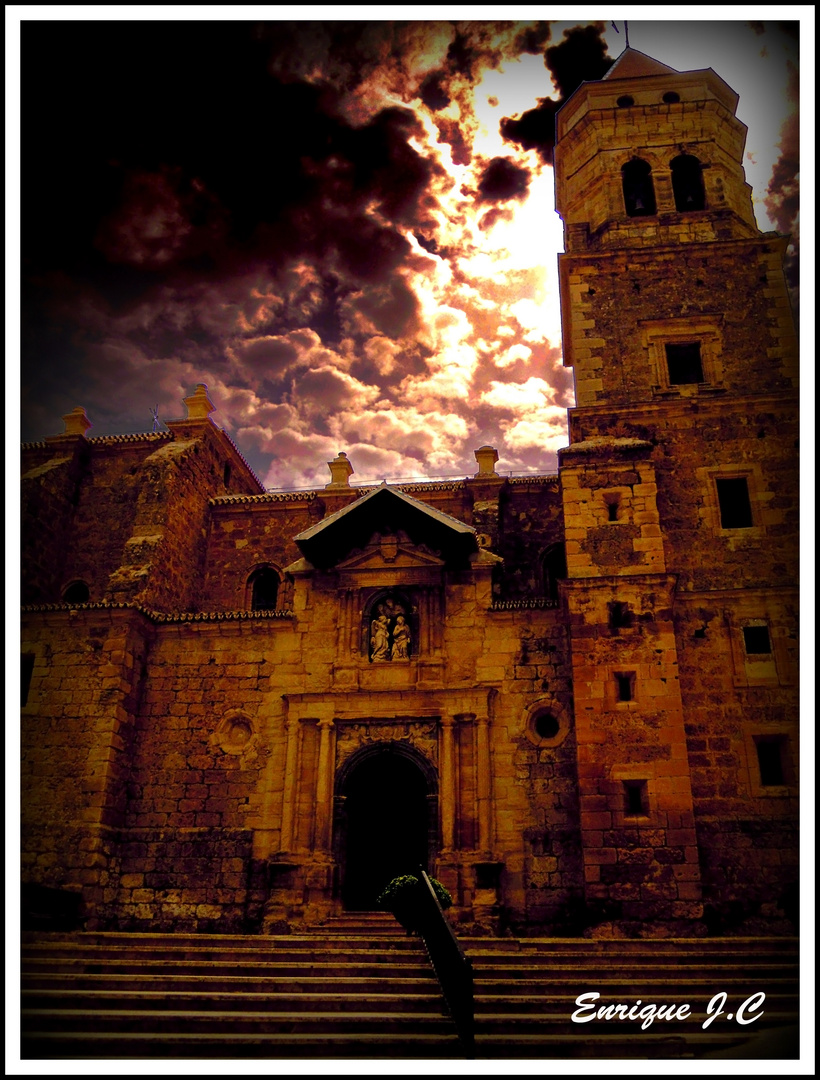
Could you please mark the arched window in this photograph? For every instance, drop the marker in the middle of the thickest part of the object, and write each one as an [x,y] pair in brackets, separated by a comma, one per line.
[639,191]
[263,585]
[687,183]
[554,567]
[76,593]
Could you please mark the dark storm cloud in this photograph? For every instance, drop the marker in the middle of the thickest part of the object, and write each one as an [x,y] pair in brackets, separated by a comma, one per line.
[782,201]
[580,56]
[432,92]
[502,179]
[176,146]
[159,156]
[532,39]
[534,129]
[783,195]
[392,309]
[272,354]
[345,53]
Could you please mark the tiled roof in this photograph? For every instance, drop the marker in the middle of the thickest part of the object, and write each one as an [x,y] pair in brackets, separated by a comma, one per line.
[632,64]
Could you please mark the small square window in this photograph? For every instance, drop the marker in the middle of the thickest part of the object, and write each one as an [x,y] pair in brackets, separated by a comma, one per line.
[770,762]
[635,802]
[620,615]
[684,363]
[735,506]
[624,686]
[756,640]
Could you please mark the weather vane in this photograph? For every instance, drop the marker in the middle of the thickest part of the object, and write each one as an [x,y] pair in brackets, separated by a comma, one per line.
[155,415]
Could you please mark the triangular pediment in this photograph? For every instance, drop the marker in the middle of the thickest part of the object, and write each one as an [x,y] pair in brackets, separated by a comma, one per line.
[420,531]
[395,552]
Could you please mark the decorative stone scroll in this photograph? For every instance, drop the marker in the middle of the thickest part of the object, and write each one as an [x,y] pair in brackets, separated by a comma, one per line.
[421,734]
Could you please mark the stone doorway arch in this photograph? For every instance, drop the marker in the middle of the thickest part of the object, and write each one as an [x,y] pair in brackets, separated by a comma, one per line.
[386,820]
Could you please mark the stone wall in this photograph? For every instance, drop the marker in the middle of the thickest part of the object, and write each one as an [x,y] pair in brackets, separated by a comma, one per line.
[519,520]
[77,742]
[50,489]
[617,298]
[747,833]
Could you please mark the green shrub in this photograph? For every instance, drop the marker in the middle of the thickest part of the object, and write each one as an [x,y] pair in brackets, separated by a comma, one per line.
[402,891]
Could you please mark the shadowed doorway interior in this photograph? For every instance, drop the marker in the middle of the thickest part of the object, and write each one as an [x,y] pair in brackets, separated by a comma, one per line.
[384,828]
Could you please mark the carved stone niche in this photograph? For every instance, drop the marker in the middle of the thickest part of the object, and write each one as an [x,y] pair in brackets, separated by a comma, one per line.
[390,627]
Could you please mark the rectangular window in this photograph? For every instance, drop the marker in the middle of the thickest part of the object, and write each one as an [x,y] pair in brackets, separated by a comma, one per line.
[735,506]
[625,686]
[684,363]
[27,670]
[635,804]
[756,640]
[770,762]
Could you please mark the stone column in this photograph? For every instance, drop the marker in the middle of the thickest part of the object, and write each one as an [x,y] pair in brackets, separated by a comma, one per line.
[290,789]
[448,787]
[324,788]
[483,782]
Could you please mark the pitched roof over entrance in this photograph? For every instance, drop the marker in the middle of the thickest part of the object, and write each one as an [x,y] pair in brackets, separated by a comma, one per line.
[386,510]
[633,64]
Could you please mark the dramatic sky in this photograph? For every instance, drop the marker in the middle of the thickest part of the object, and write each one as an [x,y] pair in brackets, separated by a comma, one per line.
[346,229]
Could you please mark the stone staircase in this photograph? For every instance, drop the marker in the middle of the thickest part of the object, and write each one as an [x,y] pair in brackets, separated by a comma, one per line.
[359,987]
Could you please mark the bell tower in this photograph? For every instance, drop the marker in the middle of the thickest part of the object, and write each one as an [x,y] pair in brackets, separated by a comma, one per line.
[680,496]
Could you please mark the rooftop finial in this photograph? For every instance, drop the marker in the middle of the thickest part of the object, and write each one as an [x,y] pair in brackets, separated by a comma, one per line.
[199,405]
[340,470]
[76,422]
[486,456]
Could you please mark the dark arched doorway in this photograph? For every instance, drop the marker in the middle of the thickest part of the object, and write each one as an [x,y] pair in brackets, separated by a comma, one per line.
[385,820]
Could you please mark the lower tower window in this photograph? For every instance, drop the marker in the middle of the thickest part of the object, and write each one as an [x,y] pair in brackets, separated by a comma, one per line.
[734,502]
[770,762]
[684,363]
[756,640]
[635,801]
[624,686]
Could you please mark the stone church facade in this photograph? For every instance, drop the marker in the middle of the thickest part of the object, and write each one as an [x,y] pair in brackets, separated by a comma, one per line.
[571,697]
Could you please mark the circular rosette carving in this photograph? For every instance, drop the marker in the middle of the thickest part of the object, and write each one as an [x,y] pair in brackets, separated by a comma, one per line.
[236,735]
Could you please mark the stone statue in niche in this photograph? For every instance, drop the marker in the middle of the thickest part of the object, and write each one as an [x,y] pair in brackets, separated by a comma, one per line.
[390,633]
[380,636]
[401,640]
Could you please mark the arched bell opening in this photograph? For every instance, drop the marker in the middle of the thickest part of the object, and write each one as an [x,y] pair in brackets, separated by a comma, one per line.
[385,820]
[638,188]
[687,183]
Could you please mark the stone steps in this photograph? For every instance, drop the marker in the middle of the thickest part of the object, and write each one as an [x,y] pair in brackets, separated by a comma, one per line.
[742,946]
[375,996]
[530,1001]
[175,976]
[392,1046]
